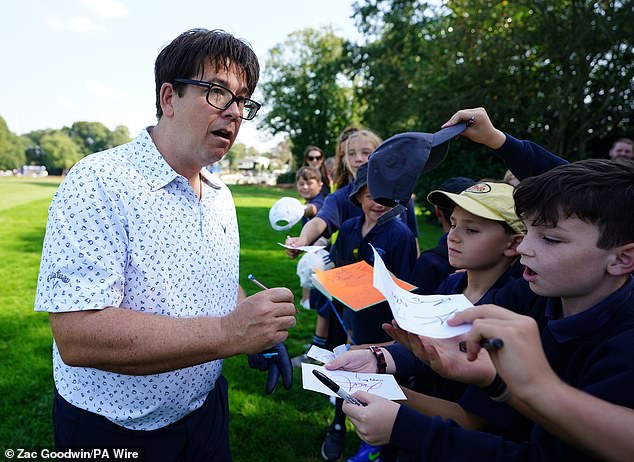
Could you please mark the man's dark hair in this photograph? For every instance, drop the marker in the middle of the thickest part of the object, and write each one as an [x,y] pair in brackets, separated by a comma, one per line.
[597,191]
[188,54]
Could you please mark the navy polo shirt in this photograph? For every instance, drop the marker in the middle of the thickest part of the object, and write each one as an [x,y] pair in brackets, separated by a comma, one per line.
[590,350]
[431,268]
[397,246]
[338,208]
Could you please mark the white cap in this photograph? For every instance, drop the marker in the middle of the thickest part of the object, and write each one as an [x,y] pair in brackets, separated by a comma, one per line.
[286,213]
[309,263]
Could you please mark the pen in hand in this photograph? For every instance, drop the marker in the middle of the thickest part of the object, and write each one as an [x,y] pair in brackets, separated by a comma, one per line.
[486,343]
[323,378]
[251,278]
[256,282]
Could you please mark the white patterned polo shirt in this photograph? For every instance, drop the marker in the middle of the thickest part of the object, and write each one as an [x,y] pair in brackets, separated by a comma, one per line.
[126,230]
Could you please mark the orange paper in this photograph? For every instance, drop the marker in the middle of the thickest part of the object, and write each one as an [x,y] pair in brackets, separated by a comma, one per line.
[352,285]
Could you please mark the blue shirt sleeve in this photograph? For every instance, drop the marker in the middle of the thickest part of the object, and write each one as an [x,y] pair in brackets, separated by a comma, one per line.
[525,158]
[432,438]
[338,208]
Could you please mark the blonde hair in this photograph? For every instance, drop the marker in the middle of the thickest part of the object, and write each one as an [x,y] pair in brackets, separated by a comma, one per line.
[342,175]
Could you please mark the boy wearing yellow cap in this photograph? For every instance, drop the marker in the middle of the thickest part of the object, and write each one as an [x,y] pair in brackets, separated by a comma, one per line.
[482,240]
[483,237]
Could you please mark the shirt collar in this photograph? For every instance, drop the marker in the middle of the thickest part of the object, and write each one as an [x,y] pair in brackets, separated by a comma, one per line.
[151,164]
[588,321]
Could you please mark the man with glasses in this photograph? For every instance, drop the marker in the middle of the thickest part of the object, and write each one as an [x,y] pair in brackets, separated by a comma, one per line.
[139,271]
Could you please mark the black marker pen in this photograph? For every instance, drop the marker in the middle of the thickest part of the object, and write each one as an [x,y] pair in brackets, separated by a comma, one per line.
[486,343]
[336,388]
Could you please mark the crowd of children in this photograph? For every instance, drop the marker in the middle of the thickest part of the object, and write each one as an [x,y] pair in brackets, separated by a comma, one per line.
[549,257]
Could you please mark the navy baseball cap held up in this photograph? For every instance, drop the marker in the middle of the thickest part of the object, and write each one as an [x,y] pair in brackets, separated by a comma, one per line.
[398,162]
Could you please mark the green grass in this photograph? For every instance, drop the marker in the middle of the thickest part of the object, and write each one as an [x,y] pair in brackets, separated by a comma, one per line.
[289,424]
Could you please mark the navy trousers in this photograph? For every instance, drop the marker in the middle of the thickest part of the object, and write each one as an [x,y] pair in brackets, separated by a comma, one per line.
[202,435]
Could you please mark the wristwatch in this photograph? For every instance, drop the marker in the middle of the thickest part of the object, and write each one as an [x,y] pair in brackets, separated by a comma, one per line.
[498,390]
[381,365]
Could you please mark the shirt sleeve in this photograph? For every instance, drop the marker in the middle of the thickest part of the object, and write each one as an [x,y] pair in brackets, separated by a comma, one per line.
[330,212]
[432,438]
[525,158]
[85,247]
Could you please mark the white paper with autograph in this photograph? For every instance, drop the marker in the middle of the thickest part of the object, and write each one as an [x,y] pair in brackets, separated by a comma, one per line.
[383,385]
[420,314]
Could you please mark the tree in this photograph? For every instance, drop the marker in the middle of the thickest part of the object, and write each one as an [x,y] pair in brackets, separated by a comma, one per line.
[12,148]
[59,151]
[306,87]
[120,135]
[558,72]
[94,136]
[399,64]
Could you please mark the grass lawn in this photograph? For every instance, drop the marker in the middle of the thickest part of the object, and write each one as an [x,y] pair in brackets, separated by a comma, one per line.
[286,426]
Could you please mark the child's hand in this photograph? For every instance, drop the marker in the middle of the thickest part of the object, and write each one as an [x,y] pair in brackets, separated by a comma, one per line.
[375,421]
[354,361]
[398,334]
[294,242]
[521,362]
[444,357]
[479,127]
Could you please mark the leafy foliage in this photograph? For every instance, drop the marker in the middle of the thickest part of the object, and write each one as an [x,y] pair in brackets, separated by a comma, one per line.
[58,150]
[560,73]
[307,91]
[12,148]
[94,136]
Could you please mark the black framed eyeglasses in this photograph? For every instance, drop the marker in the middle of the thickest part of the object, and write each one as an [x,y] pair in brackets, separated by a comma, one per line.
[221,98]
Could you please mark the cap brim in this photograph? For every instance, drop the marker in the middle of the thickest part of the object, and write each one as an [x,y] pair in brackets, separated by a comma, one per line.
[440,145]
[449,200]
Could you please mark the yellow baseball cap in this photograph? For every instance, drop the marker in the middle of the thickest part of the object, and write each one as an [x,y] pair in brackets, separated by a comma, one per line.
[493,201]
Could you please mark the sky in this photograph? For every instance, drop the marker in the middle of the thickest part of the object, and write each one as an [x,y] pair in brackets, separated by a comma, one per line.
[65,61]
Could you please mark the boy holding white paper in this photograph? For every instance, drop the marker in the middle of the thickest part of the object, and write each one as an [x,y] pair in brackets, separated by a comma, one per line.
[482,240]
[579,256]
[357,237]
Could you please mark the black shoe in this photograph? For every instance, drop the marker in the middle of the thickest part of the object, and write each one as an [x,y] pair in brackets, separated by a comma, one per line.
[333,444]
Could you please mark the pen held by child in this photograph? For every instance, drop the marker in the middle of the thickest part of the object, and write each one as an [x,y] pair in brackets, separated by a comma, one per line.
[486,343]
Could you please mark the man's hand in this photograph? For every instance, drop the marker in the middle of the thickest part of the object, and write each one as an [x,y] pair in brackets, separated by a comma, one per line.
[277,362]
[260,321]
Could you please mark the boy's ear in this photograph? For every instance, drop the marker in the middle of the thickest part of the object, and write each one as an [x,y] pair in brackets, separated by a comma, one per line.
[511,249]
[623,262]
